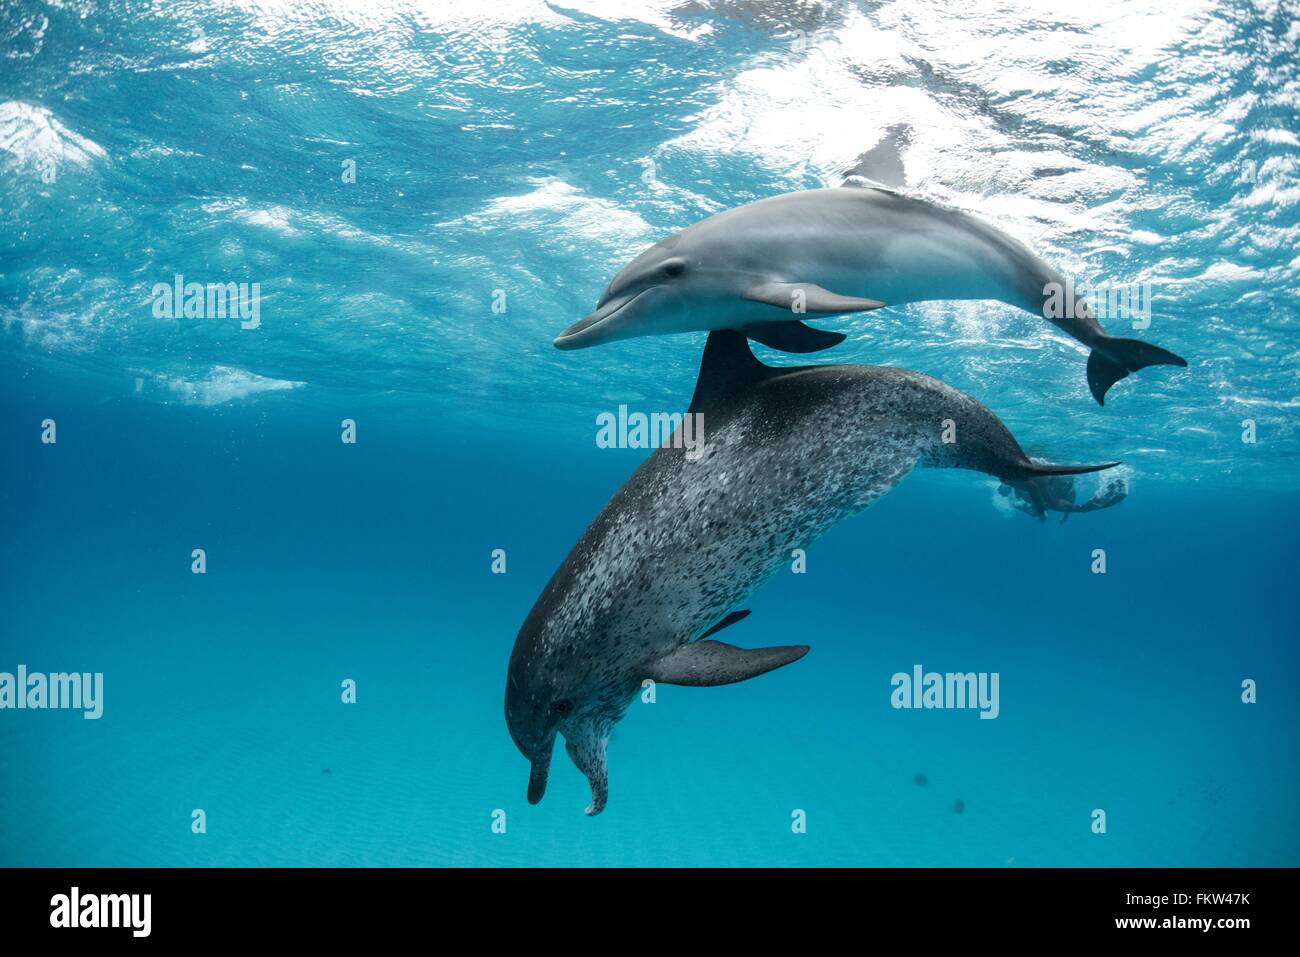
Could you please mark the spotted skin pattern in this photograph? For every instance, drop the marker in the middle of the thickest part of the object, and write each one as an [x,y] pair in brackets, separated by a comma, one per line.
[787,453]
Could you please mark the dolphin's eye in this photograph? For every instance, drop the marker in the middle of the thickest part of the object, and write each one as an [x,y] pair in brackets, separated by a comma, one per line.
[563,707]
[674,267]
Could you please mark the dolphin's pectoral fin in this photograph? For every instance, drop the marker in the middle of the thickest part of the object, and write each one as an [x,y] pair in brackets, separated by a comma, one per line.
[808,297]
[704,664]
[792,336]
[587,743]
[727,622]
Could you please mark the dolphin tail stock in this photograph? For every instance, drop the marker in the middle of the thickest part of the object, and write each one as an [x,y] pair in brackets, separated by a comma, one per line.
[1114,359]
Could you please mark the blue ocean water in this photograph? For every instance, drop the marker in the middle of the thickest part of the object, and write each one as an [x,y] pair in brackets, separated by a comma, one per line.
[520,155]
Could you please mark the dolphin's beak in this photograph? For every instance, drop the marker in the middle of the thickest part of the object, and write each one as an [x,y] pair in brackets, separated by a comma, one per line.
[597,327]
[540,772]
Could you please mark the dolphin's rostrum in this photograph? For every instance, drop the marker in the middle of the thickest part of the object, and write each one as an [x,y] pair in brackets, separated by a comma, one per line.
[787,453]
[760,267]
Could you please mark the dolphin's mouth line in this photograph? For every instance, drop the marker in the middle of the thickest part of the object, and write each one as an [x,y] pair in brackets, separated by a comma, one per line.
[595,320]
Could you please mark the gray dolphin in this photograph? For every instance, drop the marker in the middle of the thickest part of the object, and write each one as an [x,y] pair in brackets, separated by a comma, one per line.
[841,250]
[786,453]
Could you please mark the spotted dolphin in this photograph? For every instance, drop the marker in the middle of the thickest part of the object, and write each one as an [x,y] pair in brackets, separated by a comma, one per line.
[785,454]
[823,252]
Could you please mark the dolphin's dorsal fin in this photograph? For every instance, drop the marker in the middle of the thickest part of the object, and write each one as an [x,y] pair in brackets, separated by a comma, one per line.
[727,369]
[704,664]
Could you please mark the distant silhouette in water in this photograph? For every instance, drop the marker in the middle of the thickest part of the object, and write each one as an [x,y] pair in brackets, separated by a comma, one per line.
[958,806]
[1057,493]
[920,780]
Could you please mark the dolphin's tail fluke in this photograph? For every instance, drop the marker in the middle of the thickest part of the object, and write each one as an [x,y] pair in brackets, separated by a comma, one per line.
[1034,470]
[1123,356]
